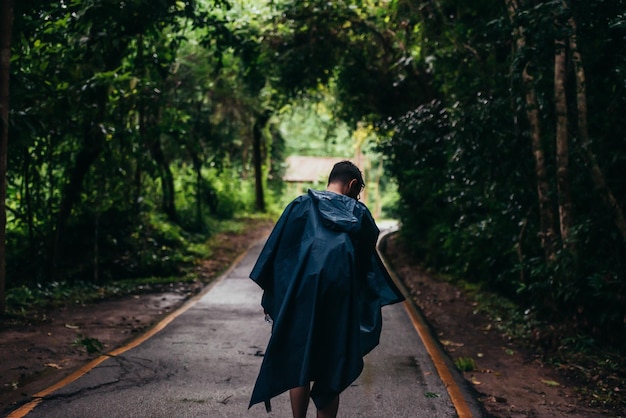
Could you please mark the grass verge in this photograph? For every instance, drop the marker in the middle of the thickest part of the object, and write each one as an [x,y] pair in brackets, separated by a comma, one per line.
[204,259]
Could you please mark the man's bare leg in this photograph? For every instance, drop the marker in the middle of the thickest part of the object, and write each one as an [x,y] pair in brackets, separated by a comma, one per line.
[330,411]
[299,400]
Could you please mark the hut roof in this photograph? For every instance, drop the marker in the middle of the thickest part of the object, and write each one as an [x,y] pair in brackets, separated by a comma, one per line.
[309,169]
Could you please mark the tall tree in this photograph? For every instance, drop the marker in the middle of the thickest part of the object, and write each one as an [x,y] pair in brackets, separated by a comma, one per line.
[583,130]
[548,232]
[6,26]
[562,137]
[257,153]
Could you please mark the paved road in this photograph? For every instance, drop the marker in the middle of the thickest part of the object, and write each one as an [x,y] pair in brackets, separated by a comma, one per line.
[204,363]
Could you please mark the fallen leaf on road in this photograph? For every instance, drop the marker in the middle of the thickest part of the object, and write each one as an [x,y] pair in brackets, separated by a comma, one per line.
[551,383]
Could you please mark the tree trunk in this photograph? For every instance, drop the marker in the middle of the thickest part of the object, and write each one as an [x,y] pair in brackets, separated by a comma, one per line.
[93,144]
[546,218]
[200,192]
[6,26]
[195,152]
[151,137]
[257,161]
[167,181]
[136,192]
[562,142]
[583,133]
[28,201]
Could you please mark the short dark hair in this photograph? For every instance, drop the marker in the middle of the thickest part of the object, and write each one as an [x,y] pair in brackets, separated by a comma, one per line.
[345,171]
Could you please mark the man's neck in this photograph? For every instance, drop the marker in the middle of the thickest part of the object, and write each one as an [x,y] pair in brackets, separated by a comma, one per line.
[336,188]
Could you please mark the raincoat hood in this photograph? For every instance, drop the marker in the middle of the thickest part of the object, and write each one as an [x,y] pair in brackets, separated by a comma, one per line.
[337,212]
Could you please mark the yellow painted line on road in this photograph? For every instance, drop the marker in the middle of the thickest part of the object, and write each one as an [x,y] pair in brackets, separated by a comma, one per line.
[454,391]
[39,396]
[457,398]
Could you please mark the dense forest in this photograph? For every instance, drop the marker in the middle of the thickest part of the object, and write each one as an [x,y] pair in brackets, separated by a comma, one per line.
[129,128]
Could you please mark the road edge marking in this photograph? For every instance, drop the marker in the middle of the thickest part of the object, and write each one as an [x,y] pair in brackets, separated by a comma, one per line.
[432,348]
[38,397]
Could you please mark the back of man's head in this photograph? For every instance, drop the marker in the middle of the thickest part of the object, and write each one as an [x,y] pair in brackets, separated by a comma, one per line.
[344,172]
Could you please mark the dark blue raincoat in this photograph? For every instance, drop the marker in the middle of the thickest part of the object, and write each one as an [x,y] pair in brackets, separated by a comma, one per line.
[323,287]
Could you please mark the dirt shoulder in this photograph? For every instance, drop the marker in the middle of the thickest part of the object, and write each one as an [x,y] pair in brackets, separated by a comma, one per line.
[511,381]
[36,355]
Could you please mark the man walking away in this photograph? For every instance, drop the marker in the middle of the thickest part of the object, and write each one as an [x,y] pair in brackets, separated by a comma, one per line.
[323,287]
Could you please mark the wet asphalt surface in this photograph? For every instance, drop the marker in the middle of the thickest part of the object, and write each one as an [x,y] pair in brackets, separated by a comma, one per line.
[205,362]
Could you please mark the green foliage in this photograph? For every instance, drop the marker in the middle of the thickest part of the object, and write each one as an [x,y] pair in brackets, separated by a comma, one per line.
[465,364]
[465,167]
[507,315]
[132,135]
[131,130]
[26,299]
[312,129]
[30,300]
[91,345]
[603,368]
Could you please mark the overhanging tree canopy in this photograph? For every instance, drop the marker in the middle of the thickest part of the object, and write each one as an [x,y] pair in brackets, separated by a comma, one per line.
[501,123]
